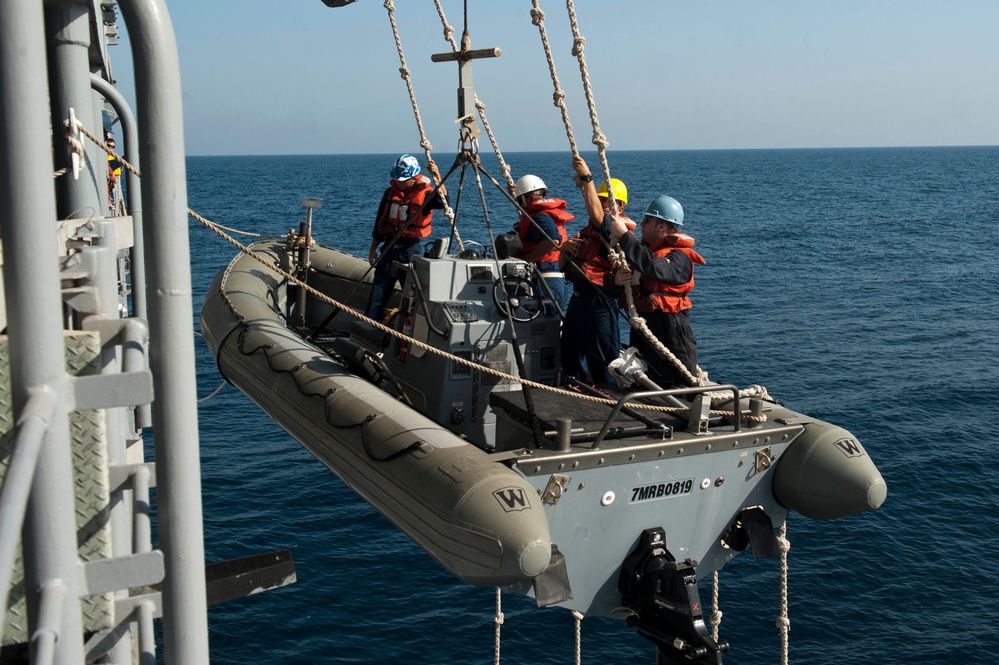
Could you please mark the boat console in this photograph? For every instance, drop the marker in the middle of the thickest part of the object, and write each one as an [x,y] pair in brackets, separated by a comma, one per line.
[480,309]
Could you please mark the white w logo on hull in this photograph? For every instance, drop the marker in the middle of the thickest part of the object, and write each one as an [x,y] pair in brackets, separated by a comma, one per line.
[512,499]
[850,447]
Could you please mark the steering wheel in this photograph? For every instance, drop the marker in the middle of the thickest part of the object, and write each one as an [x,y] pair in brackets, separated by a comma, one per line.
[473,250]
[516,297]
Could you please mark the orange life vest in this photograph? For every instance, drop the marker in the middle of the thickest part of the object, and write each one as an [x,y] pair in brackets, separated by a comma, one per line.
[400,206]
[554,208]
[592,256]
[654,295]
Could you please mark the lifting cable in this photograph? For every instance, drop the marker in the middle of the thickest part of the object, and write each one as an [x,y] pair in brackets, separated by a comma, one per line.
[424,142]
[783,622]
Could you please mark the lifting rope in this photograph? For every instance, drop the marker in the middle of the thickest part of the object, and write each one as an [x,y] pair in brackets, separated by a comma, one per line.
[716,614]
[783,622]
[424,142]
[498,620]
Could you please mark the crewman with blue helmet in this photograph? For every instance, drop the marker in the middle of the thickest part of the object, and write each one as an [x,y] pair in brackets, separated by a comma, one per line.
[665,259]
[403,220]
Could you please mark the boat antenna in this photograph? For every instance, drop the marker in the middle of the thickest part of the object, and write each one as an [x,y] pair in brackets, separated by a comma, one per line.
[479,104]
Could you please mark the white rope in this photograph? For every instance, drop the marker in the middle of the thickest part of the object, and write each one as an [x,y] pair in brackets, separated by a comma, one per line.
[599,140]
[498,620]
[783,622]
[716,614]
[579,634]
[73,129]
[404,72]
[538,18]
[128,167]
[214,393]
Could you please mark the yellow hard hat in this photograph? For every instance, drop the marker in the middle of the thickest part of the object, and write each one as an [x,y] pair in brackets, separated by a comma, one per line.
[620,191]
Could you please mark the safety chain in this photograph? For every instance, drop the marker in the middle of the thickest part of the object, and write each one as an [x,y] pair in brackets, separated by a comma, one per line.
[404,72]
[783,622]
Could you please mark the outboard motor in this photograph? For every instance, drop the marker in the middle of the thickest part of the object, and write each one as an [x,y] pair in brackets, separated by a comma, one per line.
[662,592]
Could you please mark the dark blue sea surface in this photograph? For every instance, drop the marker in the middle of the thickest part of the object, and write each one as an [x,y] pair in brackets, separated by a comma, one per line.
[860,286]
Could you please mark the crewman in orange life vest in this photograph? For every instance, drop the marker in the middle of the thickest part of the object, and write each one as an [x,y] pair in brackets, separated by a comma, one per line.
[665,259]
[403,220]
[541,232]
[591,337]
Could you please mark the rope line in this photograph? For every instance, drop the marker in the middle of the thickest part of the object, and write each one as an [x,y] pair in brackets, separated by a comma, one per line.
[558,97]
[783,622]
[406,76]
[498,620]
[214,393]
[104,146]
[579,635]
[599,140]
[716,614]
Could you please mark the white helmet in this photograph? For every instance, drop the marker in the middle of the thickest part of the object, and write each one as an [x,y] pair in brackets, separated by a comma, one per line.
[528,184]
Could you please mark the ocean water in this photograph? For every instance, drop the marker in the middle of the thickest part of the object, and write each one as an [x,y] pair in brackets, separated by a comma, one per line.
[860,286]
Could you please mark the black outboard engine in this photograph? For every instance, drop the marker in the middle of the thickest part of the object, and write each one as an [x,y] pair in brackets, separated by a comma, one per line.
[663,594]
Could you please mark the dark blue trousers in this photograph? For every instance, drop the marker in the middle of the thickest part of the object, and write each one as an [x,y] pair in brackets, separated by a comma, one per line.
[384,283]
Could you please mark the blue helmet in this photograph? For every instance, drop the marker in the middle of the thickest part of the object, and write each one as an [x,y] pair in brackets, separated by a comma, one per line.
[406,167]
[667,209]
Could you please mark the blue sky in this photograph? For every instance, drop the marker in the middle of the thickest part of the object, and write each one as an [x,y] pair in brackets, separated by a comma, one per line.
[297,77]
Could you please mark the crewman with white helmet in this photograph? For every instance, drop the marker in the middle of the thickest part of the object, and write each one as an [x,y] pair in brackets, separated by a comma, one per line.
[541,233]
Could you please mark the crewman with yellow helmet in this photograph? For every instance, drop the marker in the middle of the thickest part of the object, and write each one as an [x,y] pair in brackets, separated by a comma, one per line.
[591,337]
